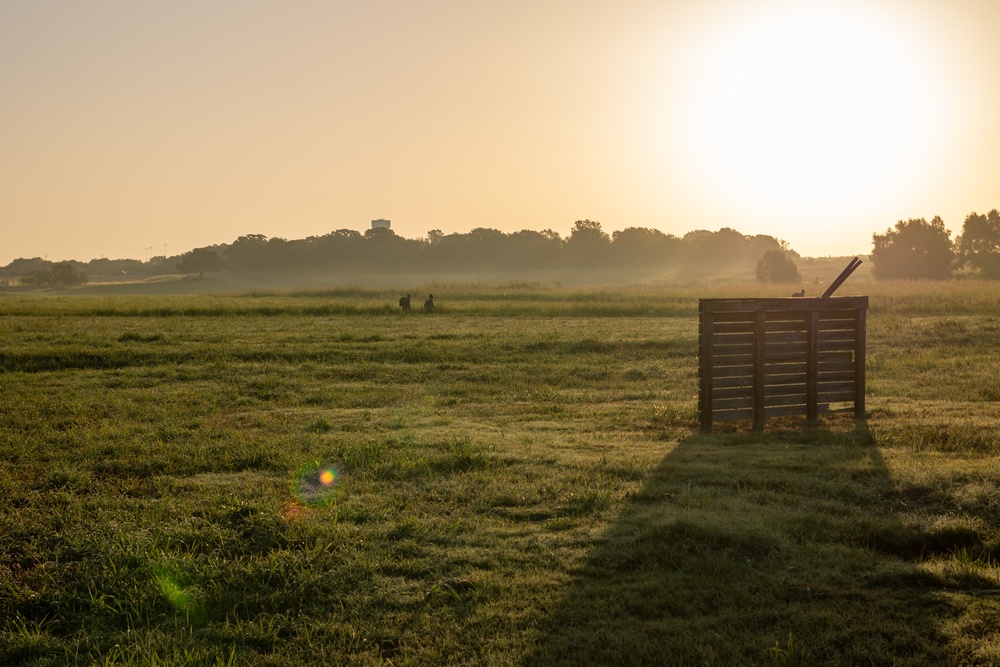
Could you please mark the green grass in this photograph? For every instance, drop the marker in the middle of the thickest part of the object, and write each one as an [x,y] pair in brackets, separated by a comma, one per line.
[516,480]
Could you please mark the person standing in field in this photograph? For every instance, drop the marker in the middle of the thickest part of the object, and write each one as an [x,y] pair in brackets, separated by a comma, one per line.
[429,304]
[404,303]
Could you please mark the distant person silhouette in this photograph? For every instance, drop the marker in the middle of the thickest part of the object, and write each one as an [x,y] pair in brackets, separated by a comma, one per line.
[429,304]
[404,303]
[801,292]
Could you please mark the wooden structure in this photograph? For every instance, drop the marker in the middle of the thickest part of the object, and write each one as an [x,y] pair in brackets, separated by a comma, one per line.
[762,358]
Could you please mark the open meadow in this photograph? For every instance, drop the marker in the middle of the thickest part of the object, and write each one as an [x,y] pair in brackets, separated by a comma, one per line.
[311,477]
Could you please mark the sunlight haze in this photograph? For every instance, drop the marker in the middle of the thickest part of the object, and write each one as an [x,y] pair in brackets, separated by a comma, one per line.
[134,128]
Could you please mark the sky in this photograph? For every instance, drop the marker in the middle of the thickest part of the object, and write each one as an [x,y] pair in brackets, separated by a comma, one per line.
[134,128]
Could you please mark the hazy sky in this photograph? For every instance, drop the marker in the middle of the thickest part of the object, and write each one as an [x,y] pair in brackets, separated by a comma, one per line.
[127,126]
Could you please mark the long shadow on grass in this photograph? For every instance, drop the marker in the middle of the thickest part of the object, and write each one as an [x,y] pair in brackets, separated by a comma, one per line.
[754,549]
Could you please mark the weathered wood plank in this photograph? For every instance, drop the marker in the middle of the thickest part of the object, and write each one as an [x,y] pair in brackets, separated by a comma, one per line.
[733,403]
[733,415]
[730,382]
[841,303]
[733,371]
[838,397]
[735,360]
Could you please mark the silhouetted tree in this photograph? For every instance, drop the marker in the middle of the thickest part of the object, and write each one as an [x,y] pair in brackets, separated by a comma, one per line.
[22,266]
[637,245]
[66,274]
[201,260]
[979,245]
[587,244]
[777,266]
[113,267]
[247,252]
[60,274]
[914,249]
[531,249]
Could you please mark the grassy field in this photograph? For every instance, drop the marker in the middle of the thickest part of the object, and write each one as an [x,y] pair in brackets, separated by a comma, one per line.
[310,477]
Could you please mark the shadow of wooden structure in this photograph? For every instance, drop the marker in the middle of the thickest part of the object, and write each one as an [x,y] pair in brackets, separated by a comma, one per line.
[760,358]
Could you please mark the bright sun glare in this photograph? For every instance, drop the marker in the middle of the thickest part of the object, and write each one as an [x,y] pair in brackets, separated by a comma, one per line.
[807,107]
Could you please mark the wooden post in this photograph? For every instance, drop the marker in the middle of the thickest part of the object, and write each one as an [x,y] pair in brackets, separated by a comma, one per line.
[812,373]
[705,365]
[759,360]
[860,362]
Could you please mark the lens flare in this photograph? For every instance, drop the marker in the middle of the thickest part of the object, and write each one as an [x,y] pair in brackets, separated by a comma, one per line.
[181,596]
[316,483]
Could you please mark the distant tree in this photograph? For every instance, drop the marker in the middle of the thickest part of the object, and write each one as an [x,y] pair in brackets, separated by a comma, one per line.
[725,245]
[914,249]
[113,267]
[979,245]
[777,266]
[531,249]
[200,261]
[638,245]
[60,274]
[587,244]
[22,266]
[37,278]
[384,249]
[67,274]
[247,252]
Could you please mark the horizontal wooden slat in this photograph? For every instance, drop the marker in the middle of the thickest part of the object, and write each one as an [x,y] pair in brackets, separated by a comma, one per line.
[742,326]
[846,314]
[732,316]
[834,365]
[771,401]
[785,356]
[835,355]
[726,348]
[840,334]
[775,411]
[835,387]
[732,360]
[836,376]
[833,397]
[721,393]
[785,411]
[730,382]
[785,390]
[803,304]
[733,371]
[778,338]
[836,346]
[785,346]
[783,379]
[730,337]
[733,403]
[732,415]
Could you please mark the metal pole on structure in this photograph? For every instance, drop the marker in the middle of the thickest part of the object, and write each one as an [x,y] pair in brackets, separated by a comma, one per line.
[844,275]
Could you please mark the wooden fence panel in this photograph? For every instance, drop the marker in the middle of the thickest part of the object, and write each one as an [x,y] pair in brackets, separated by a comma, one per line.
[762,358]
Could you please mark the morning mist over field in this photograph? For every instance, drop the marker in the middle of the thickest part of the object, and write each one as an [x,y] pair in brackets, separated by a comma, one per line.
[134,130]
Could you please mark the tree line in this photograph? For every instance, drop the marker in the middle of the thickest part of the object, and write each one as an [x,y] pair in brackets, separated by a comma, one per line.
[918,249]
[912,249]
[587,246]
